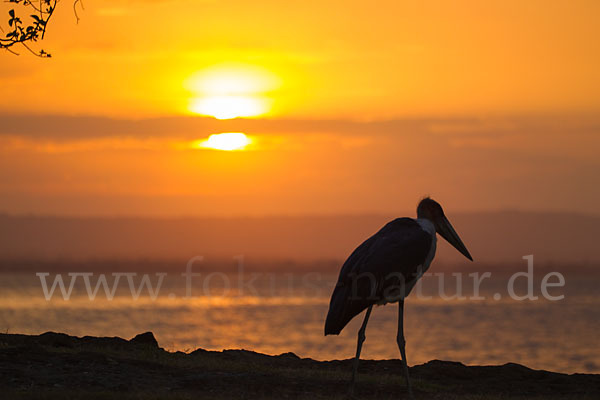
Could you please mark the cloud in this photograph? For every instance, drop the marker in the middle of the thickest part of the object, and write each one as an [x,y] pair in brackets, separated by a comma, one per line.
[552,136]
[68,127]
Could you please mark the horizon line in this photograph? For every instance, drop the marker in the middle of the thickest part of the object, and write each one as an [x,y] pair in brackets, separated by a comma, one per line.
[372,214]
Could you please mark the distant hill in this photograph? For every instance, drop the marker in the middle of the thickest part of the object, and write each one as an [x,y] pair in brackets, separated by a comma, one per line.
[491,237]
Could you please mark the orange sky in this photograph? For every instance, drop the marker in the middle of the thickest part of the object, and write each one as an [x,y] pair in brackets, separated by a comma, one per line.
[362,107]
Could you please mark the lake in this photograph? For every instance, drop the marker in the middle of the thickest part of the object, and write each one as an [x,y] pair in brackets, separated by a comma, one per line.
[278,312]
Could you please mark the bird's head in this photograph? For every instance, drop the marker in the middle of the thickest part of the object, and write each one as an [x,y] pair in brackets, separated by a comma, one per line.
[431,210]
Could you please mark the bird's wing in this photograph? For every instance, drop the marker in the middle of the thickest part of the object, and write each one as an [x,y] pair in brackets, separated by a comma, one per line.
[376,269]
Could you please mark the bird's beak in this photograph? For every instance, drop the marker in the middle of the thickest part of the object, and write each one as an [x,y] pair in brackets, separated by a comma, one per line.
[446,230]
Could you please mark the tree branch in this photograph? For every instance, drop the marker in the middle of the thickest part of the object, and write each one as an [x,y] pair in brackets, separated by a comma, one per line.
[34,29]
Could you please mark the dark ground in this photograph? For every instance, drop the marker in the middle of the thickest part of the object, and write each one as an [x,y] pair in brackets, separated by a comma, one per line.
[58,366]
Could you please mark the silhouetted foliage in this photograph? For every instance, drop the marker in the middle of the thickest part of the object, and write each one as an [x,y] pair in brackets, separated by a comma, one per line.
[26,30]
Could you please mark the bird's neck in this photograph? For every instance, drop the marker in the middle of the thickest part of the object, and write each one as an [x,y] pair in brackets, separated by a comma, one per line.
[427,225]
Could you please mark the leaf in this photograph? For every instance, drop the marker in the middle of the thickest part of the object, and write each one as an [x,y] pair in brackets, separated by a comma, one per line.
[11,13]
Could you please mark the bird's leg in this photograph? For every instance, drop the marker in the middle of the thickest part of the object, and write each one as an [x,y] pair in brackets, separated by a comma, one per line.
[361,339]
[401,345]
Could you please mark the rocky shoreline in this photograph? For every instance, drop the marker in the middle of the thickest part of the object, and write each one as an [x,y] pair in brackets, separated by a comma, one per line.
[58,366]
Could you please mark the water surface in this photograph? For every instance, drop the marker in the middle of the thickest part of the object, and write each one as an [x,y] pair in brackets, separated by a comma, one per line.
[277,313]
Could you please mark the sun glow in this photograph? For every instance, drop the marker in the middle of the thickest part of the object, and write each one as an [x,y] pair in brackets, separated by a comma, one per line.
[227,107]
[225,141]
[231,91]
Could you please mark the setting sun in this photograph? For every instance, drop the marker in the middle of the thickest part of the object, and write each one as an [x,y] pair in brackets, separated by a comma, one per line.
[231,91]
[227,107]
[226,141]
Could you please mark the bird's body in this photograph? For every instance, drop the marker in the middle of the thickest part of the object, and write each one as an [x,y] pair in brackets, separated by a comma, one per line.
[385,268]
[391,262]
